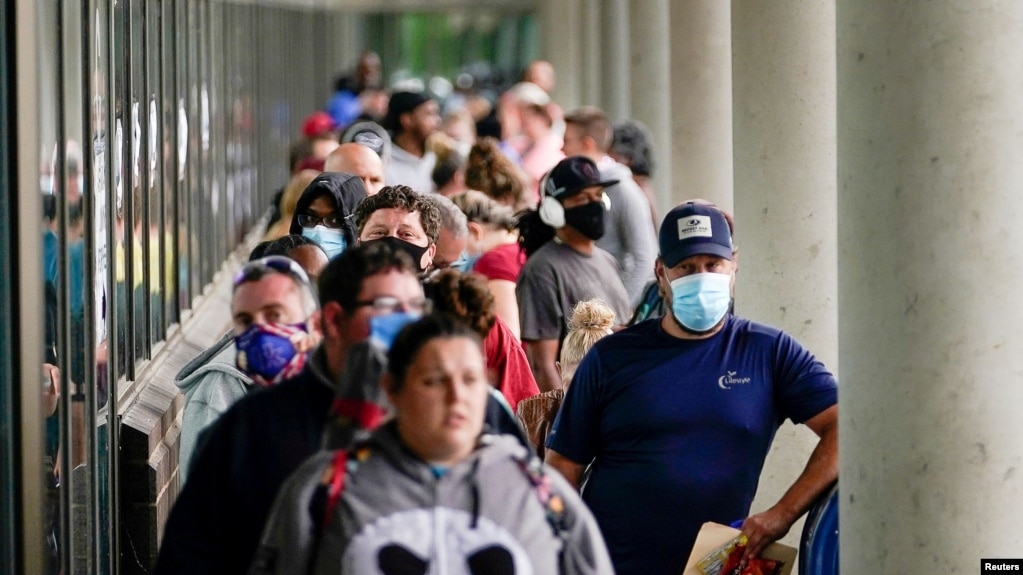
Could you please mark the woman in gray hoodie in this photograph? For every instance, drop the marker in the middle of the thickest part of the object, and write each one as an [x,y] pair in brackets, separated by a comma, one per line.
[429,492]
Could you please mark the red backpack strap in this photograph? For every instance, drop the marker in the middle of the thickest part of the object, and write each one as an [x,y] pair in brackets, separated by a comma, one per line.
[335,485]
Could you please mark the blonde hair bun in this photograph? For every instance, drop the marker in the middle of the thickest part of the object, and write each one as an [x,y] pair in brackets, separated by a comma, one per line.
[592,315]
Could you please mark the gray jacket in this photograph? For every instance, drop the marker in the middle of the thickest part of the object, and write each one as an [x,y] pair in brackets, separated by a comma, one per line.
[211,383]
[628,234]
[483,515]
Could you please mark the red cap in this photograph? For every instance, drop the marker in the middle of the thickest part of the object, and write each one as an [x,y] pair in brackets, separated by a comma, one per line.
[318,124]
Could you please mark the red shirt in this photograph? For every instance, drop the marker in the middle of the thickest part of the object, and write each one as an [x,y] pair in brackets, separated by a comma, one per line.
[502,263]
[507,364]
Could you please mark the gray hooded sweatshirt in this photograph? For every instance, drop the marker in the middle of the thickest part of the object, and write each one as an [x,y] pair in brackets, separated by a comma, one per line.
[628,233]
[485,514]
[211,383]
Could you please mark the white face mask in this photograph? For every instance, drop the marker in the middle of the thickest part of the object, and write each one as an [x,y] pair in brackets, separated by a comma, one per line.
[699,301]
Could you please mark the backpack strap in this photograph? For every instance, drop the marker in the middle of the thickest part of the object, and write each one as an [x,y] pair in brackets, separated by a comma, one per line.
[327,495]
[553,504]
[337,471]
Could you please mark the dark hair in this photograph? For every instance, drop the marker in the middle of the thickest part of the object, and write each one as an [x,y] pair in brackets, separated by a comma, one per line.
[632,144]
[414,336]
[449,161]
[284,245]
[341,280]
[533,232]
[259,251]
[488,170]
[405,198]
[594,123]
[465,297]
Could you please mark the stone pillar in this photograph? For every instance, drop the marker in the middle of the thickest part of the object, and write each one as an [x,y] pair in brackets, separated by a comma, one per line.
[561,33]
[615,59]
[701,103]
[590,85]
[785,193]
[650,82]
[931,136]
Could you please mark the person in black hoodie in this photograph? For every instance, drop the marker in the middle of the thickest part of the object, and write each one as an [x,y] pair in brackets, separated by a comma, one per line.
[247,454]
[324,211]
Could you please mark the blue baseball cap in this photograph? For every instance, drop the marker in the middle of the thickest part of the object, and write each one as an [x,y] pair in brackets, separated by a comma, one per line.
[692,229]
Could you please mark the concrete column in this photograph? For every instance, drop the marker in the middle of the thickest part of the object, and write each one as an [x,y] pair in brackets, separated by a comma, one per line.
[701,102]
[347,39]
[785,193]
[592,72]
[650,82]
[561,33]
[615,58]
[931,136]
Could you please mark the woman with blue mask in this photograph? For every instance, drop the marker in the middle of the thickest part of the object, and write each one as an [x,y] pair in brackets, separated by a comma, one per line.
[324,211]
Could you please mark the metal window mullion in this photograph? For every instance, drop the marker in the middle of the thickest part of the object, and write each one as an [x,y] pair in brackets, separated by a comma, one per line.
[63,332]
[177,53]
[25,273]
[91,384]
[161,167]
[144,183]
[128,200]
[111,314]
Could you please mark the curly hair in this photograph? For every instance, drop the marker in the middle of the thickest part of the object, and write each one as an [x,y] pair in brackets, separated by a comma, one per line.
[491,172]
[405,198]
[465,297]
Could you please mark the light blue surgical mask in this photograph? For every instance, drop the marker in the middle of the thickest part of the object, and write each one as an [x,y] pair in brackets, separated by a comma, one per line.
[466,262]
[384,328]
[699,301]
[331,241]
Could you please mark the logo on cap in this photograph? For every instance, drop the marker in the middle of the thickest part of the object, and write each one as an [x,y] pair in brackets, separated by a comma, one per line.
[694,227]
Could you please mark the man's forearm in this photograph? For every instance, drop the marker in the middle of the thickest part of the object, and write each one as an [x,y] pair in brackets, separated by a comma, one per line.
[820,473]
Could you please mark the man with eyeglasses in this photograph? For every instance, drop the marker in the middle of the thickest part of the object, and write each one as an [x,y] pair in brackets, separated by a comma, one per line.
[275,325]
[247,454]
[403,219]
[323,212]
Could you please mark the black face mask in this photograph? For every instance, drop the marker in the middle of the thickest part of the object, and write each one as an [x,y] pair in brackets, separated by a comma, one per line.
[588,219]
[415,252]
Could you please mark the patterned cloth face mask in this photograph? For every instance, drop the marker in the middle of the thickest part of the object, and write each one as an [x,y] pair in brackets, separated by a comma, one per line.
[267,352]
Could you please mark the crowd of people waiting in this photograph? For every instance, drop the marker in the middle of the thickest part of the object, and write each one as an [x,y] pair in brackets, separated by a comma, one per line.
[467,344]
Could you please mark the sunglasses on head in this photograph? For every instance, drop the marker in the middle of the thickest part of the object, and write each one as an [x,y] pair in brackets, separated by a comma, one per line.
[257,269]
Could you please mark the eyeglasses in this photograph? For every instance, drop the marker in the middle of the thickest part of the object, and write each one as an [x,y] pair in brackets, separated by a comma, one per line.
[390,304]
[310,221]
[256,269]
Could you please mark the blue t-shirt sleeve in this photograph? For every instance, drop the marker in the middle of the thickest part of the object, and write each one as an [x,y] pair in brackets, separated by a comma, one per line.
[803,386]
[576,429]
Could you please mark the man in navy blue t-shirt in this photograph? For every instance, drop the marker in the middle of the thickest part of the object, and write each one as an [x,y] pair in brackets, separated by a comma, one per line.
[677,413]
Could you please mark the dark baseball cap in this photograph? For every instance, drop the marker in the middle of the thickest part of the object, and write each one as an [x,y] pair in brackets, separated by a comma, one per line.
[692,229]
[571,175]
[402,103]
